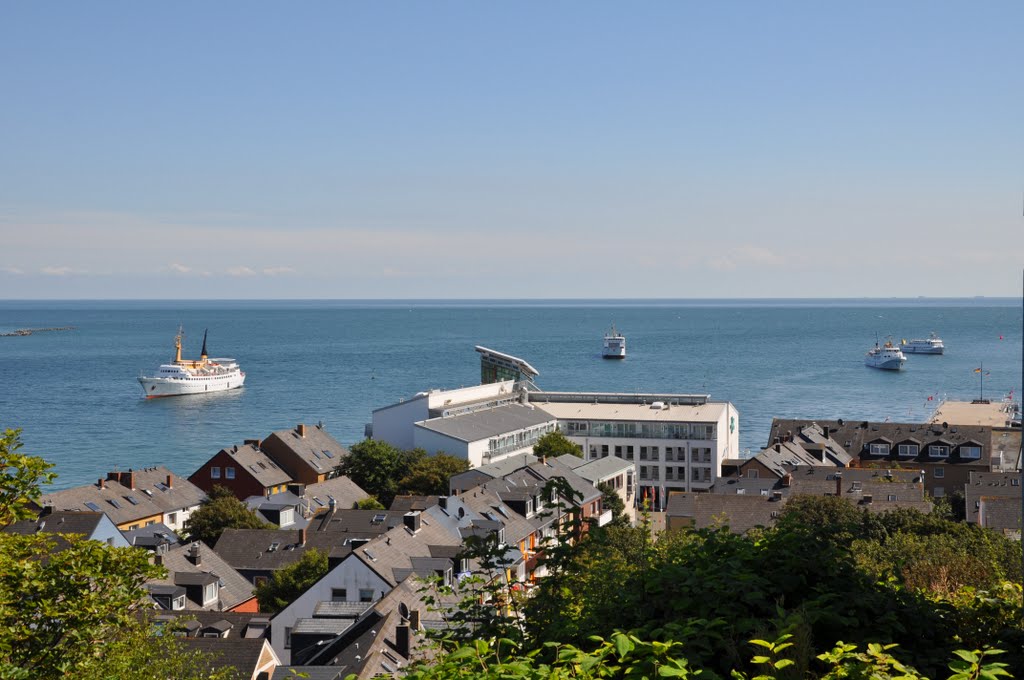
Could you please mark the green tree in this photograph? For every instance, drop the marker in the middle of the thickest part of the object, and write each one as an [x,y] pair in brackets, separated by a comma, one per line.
[71,607]
[290,582]
[369,503]
[555,444]
[377,467]
[611,500]
[21,479]
[429,475]
[220,511]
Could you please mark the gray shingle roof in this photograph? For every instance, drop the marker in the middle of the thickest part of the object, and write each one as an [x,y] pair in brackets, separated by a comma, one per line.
[480,425]
[242,654]
[739,512]
[258,464]
[319,450]
[64,522]
[176,559]
[122,504]
[346,493]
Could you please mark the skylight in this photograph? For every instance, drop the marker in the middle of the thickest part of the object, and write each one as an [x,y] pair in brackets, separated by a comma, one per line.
[132,500]
[328,453]
[92,506]
[114,503]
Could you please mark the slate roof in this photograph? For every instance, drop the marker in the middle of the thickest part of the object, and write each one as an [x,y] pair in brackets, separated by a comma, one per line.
[856,436]
[595,470]
[740,513]
[239,624]
[240,653]
[64,522]
[345,492]
[122,504]
[258,464]
[991,485]
[309,672]
[472,427]
[235,589]
[312,447]
[553,468]
[1000,513]
[151,536]
[390,555]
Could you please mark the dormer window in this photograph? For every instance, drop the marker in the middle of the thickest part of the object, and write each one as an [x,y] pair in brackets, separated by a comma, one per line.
[209,593]
[879,449]
[970,452]
[939,451]
[908,450]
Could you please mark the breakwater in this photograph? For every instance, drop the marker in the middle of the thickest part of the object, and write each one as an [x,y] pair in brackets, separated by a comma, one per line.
[22,332]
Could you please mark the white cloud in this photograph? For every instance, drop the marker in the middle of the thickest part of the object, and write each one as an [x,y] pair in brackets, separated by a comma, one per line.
[277,271]
[241,271]
[11,270]
[179,268]
[57,271]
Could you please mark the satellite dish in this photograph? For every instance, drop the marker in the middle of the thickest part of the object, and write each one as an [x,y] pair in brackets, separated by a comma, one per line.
[403,610]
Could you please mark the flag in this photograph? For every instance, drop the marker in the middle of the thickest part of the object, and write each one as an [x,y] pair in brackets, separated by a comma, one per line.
[1000,337]
[931,397]
[977,370]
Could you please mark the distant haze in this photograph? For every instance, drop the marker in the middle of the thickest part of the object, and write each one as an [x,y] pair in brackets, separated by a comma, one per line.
[524,150]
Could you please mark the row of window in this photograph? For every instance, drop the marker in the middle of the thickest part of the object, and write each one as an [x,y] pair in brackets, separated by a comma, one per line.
[677,473]
[672,453]
[587,428]
[519,440]
[966,451]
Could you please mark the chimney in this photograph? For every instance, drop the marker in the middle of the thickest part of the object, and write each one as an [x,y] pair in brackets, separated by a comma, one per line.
[255,443]
[102,483]
[301,428]
[442,501]
[193,555]
[414,619]
[402,639]
[778,446]
[158,559]
[826,432]
[411,521]
[787,479]
[839,485]
[302,536]
[170,482]
[131,479]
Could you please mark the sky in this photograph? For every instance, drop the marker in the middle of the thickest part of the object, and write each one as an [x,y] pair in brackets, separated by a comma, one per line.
[358,150]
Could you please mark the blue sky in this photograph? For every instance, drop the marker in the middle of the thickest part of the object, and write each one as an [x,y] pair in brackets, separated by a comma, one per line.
[546,150]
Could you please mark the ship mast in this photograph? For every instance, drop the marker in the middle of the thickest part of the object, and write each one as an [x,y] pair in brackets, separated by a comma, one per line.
[177,345]
[202,355]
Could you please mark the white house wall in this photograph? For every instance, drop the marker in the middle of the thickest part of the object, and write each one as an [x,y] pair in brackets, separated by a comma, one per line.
[352,574]
[394,424]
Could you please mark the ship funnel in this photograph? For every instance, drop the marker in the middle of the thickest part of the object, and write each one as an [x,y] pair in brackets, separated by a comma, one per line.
[202,355]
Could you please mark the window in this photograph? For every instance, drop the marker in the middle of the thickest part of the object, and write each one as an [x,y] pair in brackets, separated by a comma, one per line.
[939,451]
[668,473]
[629,452]
[908,450]
[643,453]
[366,595]
[668,453]
[970,452]
[229,473]
[891,497]
[879,449]
[339,595]
[939,473]
[752,473]
[287,637]
[618,451]
[681,473]
[643,472]
[172,518]
[214,473]
[654,453]
[655,472]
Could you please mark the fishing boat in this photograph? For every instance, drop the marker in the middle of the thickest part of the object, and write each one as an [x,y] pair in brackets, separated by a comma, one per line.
[192,376]
[887,357]
[930,345]
[614,345]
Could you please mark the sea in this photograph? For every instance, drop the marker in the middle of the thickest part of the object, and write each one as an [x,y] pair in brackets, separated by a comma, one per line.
[75,396]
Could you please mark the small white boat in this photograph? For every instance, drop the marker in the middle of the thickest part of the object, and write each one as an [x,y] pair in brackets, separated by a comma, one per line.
[189,376]
[887,357]
[614,345]
[930,345]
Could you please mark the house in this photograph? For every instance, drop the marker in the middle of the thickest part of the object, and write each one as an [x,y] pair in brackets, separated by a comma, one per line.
[809,445]
[317,498]
[95,526]
[993,501]
[246,470]
[741,513]
[484,435]
[258,553]
[307,453]
[251,658]
[134,499]
[616,473]
[198,578]
[283,509]
[677,441]
[945,453]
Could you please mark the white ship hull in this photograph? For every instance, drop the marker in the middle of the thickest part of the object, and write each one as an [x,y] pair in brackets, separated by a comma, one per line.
[885,364]
[175,387]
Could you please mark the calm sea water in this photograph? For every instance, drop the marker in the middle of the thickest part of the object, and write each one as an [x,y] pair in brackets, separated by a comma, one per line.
[75,395]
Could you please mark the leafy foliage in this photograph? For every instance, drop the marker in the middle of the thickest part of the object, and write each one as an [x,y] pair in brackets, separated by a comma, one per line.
[21,479]
[555,444]
[288,583]
[384,471]
[611,500]
[221,510]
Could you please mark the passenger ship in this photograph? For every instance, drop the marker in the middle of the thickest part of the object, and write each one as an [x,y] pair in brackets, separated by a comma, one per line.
[614,345]
[931,345]
[190,376]
[887,357]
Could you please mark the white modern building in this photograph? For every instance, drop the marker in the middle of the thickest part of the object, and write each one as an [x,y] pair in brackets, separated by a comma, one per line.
[677,441]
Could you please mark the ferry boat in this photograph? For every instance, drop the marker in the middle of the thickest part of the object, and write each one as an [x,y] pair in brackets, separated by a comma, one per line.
[614,345]
[192,376]
[887,357]
[930,345]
